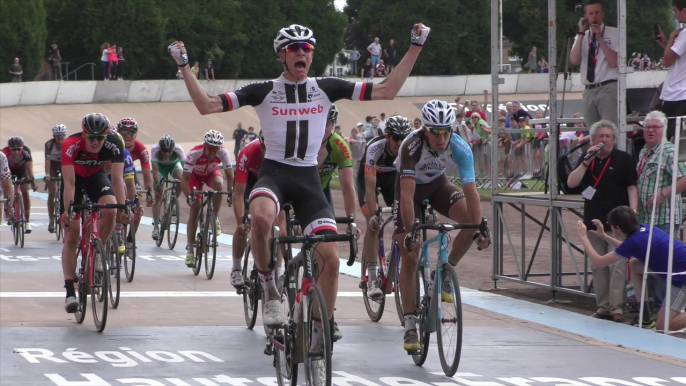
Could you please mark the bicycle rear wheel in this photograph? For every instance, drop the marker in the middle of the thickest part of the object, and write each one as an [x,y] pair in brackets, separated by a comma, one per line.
[81,291]
[130,254]
[318,352]
[56,216]
[99,291]
[422,307]
[374,307]
[114,269]
[200,243]
[449,326]
[19,224]
[211,244]
[396,285]
[250,291]
[172,222]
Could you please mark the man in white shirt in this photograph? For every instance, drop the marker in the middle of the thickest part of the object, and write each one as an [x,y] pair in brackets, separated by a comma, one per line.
[673,94]
[382,122]
[595,49]
[375,50]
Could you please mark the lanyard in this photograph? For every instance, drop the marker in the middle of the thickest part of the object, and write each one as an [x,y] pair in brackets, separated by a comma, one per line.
[597,180]
[644,162]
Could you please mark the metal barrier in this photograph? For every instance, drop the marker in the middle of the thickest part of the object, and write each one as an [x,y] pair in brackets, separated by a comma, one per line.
[92,65]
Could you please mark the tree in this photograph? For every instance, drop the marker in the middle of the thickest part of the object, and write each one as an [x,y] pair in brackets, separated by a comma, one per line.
[22,27]
[455,46]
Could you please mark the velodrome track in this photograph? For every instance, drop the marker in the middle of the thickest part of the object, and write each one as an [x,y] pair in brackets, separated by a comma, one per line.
[173,328]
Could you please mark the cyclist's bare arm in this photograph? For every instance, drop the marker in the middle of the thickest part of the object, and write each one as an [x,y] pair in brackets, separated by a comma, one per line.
[185,183]
[390,86]
[68,181]
[348,187]
[370,189]
[238,203]
[29,169]
[228,173]
[407,187]
[8,189]
[147,178]
[130,185]
[204,102]
[118,182]
[47,167]
[473,201]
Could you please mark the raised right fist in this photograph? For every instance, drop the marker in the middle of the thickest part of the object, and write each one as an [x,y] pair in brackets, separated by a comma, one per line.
[178,52]
[419,34]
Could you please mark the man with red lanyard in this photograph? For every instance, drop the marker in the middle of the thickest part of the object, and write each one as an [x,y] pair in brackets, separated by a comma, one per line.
[21,166]
[128,128]
[608,177]
[595,49]
[202,168]
[84,156]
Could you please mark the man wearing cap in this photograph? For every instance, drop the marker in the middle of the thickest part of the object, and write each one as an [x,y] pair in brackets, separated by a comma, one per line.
[595,49]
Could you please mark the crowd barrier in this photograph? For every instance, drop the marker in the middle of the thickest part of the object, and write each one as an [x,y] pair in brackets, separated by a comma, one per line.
[174,90]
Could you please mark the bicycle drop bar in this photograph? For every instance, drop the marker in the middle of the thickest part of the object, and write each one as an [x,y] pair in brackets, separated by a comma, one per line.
[311,239]
[91,206]
[446,227]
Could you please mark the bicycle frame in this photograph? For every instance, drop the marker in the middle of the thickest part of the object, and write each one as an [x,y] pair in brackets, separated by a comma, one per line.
[424,263]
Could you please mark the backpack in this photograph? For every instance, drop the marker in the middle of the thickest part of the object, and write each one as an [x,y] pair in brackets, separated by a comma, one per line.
[565,168]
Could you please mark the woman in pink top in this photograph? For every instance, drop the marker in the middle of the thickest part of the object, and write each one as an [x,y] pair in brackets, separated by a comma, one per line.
[112,58]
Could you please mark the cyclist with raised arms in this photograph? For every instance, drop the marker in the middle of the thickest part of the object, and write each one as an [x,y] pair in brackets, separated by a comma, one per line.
[293,111]
[421,163]
[53,165]
[84,156]
[6,184]
[21,166]
[167,160]
[379,172]
[202,168]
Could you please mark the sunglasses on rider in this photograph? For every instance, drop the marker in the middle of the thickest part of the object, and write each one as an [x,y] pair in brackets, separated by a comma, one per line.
[127,132]
[95,137]
[398,138]
[59,136]
[15,149]
[439,130]
[294,47]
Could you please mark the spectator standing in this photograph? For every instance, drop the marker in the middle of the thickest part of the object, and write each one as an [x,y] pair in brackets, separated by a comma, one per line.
[209,73]
[673,94]
[374,50]
[636,62]
[595,49]
[195,70]
[484,130]
[16,70]
[375,127]
[474,107]
[112,58]
[120,63]
[417,123]
[360,127]
[354,57]
[382,121]
[518,112]
[55,60]
[390,56]
[531,62]
[368,129]
[238,135]
[367,70]
[543,65]
[646,62]
[609,180]
[337,130]
[104,60]
[250,136]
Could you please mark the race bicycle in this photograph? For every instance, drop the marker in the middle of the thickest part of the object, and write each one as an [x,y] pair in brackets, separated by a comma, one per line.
[206,238]
[59,232]
[169,219]
[127,235]
[18,220]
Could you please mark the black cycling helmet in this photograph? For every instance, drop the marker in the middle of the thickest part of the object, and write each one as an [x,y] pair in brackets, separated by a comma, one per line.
[15,142]
[398,125]
[128,124]
[95,123]
[333,113]
[167,143]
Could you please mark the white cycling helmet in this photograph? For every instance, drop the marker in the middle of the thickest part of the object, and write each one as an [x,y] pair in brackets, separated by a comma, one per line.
[292,34]
[214,138]
[438,113]
[59,129]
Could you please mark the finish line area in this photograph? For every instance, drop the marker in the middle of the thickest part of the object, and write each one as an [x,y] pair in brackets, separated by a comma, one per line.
[173,328]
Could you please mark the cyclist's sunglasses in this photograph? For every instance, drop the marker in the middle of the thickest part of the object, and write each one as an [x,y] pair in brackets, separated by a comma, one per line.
[440,130]
[16,149]
[59,136]
[398,138]
[96,137]
[293,47]
[127,132]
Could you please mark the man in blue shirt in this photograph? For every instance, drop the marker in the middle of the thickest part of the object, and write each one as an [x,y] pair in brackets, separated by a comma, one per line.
[625,226]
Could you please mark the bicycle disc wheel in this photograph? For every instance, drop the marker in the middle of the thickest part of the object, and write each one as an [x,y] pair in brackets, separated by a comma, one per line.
[318,354]
[114,270]
[286,368]
[81,291]
[423,311]
[99,291]
[250,291]
[210,244]
[374,307]
[172,222]
[130,253]
[449,326]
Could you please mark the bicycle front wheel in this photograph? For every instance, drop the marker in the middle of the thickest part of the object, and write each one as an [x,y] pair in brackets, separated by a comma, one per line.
[317,334]
[82,290]
[99,291]
[396,285]
[449,322]
[172,222]
[210,244]
[161,225]
[114,260]
[130,254]
[283,342]
[56,216]
[374,307]
[250,291]
[422,307]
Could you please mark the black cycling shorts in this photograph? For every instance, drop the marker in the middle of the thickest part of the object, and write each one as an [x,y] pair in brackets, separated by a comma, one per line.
[20,173]
[96,186]
[385,181]
[302,188]
[329,198]
[441,193]
[55,168]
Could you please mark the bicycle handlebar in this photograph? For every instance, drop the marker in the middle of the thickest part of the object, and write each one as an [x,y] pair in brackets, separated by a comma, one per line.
[447,227]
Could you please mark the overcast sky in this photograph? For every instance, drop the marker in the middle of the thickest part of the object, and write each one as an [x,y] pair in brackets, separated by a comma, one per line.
[339,4]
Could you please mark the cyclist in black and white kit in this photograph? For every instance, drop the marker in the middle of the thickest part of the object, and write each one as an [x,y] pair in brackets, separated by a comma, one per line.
[53,166]
[379,172]
[293,111]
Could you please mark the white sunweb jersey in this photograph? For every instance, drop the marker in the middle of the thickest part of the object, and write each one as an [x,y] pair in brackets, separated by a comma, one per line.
[293,115]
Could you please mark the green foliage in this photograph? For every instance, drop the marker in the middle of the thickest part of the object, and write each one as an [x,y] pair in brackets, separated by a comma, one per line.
[458,32]
[525,24]
[22,27]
